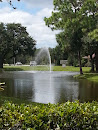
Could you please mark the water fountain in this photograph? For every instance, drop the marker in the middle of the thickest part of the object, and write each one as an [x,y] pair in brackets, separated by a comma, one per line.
[43,58]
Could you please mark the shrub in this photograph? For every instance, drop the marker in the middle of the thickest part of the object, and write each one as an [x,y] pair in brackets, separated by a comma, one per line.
[66,116]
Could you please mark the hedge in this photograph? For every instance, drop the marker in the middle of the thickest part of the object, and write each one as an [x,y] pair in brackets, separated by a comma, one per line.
[66,116]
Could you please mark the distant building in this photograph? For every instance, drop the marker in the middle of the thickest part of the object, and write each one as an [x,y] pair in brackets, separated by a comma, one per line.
[63,63]
[33,63]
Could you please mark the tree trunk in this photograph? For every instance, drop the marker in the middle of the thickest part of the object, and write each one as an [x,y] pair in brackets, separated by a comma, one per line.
[1,62]
[81,72]
[92,63]
[96,56]
[14,61]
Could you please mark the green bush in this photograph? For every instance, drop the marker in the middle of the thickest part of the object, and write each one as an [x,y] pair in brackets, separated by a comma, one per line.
[66,116]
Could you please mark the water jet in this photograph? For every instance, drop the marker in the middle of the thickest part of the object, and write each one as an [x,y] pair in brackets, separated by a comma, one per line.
[43,58]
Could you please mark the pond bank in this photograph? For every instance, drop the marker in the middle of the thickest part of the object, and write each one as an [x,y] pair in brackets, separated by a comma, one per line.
[88,76]
[43,68]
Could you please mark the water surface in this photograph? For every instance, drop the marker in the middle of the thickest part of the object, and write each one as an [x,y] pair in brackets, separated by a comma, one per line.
[45,87]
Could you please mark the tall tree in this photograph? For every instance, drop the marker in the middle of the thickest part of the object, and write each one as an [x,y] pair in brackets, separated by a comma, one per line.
[90,12]
[14,40]
[66,18]
[71,17]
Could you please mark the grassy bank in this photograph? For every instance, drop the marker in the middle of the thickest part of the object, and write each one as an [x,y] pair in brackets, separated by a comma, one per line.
[69,115]
[70,68]
[88,76]
[41,68]
[26,68]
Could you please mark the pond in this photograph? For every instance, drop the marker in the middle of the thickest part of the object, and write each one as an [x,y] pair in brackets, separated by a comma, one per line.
[46,87]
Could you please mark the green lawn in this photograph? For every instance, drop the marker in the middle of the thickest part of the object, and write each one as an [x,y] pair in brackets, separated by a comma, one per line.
[41,68]
[70,68]
[26,68]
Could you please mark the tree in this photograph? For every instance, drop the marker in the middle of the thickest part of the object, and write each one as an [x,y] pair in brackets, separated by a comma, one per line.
[3,43]
[91,30]
[89,47]
[71,17]
[58,54]
[65,18]
[94,36]
[14,40]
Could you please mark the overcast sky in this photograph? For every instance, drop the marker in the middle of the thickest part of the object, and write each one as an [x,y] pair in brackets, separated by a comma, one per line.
[30,13]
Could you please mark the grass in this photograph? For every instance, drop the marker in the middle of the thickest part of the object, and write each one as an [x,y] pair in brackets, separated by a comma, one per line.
[88,76]
[70,68]
[26,68]
[41,68]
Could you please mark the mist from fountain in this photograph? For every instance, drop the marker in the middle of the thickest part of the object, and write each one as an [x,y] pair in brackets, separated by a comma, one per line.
[43,58]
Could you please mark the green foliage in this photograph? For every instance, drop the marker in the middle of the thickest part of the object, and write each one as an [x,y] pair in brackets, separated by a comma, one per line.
[72,60]
[94,34]
[20,41]
[14,41]
[57,54]
[19,58]
[70,115]
[75,19]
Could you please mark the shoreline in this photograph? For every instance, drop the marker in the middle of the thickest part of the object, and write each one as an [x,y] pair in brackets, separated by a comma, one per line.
[86,70]
[88,76]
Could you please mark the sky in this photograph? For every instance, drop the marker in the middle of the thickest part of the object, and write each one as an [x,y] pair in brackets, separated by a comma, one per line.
[31,13]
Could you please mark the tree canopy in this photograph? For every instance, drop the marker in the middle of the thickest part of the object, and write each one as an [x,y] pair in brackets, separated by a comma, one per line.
[75,18]
[15,40]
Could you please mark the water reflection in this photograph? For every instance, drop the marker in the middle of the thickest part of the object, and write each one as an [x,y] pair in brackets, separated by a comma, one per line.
[44,87]
[18,85]
[23,89]
[88,91]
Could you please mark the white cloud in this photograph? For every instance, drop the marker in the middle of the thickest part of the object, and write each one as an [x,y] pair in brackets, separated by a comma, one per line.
[34,23]
[44,12]
[4,10]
